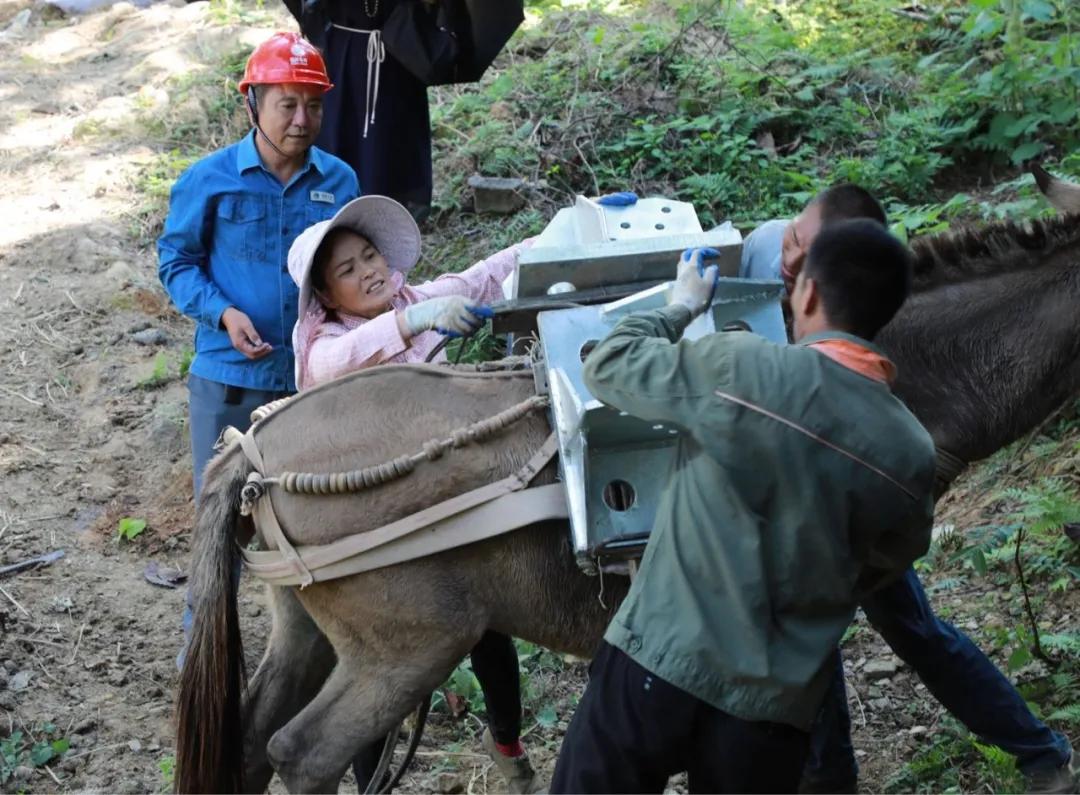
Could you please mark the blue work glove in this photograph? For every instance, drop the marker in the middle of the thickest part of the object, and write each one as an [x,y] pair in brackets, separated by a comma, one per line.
[622,199]
[481,312]
[695,283]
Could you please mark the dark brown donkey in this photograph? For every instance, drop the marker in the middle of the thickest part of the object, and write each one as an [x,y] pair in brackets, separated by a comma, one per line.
[987,347]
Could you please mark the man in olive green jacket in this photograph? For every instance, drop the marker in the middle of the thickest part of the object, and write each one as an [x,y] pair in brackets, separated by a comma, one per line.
[800,482]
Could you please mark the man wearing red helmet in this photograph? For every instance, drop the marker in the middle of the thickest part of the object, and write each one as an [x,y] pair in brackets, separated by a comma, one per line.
[232,217]
[223,254]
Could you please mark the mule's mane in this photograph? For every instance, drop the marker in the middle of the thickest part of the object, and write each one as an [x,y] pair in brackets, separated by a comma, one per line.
[971,252]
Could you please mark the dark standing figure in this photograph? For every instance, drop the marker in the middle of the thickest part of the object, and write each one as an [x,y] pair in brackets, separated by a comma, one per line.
[376,119]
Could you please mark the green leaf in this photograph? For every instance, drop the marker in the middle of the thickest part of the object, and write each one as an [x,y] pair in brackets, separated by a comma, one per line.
[41,753]
[1039,10]
[130,528]
[978,562]
[1026,151]
[546,717]
[61,746]
[1019,658]
[1024,124]
[598,36]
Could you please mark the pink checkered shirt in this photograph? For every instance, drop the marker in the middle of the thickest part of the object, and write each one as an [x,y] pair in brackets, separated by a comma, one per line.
[328,345]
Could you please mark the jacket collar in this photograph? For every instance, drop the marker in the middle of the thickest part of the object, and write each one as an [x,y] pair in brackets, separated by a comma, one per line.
[853,352]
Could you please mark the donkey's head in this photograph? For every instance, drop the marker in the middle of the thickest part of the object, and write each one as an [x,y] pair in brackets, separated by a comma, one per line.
[988,345]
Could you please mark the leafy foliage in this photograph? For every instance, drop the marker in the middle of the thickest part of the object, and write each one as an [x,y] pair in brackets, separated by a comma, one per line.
[19,751]
[746,109]
[129,528]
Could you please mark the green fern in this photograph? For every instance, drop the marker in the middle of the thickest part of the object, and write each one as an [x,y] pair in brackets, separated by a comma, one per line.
[1068,714]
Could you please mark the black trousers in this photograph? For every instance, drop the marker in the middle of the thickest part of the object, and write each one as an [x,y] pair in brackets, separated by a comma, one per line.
[632,731]
[395,158]
[495,663]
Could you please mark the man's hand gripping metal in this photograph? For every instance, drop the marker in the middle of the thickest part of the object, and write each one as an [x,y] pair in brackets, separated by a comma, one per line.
[695,283]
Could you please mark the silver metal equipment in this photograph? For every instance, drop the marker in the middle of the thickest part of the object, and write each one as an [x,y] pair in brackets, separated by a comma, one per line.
[615,466]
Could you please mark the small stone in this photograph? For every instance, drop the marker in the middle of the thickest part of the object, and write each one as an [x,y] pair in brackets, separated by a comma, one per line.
[22,772]
[449,783]
[500,195]
[20,21]
[918,731]
[150,336]
[131,787]
[60,604]
[118,678]
[20,681]
[8,701]
[120,273]
[135,746]
[880,703]
[880,669]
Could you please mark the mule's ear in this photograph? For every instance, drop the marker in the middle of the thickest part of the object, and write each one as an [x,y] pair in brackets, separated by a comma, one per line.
[1065,196]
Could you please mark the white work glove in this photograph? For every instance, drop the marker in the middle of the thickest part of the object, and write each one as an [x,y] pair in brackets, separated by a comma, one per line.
[450,315]
[695,284]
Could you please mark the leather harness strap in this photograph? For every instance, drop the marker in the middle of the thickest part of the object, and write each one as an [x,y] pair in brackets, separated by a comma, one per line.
[485,512]
[266,520]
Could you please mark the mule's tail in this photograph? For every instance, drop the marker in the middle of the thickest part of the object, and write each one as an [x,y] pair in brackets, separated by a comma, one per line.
[209,732]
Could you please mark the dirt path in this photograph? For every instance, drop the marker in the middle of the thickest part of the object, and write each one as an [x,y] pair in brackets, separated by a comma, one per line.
[92,412]
[91,421]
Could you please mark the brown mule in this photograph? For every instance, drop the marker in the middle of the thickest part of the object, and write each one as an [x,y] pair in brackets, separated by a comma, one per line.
[988,346]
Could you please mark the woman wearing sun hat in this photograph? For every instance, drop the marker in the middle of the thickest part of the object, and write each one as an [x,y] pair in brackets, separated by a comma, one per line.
[356,310]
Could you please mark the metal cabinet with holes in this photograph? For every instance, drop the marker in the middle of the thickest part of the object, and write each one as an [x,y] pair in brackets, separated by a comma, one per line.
[615,466]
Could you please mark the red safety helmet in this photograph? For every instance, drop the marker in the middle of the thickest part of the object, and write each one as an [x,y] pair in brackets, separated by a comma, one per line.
[286,58]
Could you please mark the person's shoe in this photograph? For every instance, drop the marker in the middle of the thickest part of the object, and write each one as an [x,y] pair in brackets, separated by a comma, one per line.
[1064,779]
[517,770]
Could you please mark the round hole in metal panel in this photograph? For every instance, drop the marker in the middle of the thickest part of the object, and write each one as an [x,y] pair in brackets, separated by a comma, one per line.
[659,226]
[736,325]
[625,224]
[619,495]
[587,348]
[665,209]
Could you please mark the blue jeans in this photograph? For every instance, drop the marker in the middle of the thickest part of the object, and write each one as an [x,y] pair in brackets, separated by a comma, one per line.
[953,669]
[212,407]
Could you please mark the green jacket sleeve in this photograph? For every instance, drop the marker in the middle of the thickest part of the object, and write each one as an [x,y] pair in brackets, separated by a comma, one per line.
[642,368]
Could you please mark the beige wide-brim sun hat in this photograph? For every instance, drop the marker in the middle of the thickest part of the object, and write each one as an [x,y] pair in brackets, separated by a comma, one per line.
[383,221]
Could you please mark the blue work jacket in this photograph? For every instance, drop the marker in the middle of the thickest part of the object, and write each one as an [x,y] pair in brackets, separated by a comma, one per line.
[226,243]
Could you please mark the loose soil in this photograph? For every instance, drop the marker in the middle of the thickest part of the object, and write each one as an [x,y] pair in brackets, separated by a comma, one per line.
[92,430]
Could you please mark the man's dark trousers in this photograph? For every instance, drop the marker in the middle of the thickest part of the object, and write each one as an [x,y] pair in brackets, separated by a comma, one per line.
[632,731]
[954,670]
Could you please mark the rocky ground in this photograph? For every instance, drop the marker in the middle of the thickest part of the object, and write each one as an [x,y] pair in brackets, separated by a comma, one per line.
[92,431]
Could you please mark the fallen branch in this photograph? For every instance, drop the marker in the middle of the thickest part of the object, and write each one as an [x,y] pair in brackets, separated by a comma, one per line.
[31,563]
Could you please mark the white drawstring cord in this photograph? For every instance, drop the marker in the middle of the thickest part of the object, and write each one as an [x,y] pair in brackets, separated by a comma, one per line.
[376,54]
